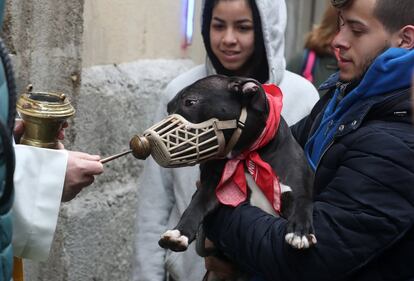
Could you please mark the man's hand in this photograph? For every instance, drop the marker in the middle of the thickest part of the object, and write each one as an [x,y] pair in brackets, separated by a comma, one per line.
[61,135]
[18,132]
[221,268]
[80,172]
[81,168]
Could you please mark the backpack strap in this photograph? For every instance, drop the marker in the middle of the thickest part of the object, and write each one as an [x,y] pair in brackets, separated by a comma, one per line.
[309,63]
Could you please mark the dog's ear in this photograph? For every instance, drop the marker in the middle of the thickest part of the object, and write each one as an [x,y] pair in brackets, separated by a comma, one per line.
[251,93]
[173,104]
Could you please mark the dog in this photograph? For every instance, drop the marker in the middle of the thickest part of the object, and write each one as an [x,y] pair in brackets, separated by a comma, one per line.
[223,97]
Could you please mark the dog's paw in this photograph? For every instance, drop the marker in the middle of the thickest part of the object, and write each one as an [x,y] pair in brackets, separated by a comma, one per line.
[173,240]
[300,233]
[300,241]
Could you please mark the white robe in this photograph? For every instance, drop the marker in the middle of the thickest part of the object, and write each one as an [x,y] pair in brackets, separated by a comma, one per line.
[38,184]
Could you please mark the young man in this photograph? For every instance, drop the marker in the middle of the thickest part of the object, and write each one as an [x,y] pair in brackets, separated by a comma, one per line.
[360,142]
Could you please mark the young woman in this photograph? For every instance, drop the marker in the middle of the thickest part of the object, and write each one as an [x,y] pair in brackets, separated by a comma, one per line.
[317,61]
[243,38]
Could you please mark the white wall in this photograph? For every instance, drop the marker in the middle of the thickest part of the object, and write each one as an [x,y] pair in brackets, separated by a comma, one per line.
[127,30]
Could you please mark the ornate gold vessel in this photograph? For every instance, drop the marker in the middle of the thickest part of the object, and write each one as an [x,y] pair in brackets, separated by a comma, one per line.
[43,114]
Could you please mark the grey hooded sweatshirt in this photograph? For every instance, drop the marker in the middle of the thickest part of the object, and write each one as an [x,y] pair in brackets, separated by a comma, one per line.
[164,194]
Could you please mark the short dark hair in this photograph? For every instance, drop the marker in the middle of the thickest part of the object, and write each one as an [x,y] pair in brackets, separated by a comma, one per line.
[394,14]
[340,3]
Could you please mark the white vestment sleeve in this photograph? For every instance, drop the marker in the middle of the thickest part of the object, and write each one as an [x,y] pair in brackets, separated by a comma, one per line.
[38,183]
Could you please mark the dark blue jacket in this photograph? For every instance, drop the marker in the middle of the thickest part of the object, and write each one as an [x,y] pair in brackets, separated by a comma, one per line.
[363,205]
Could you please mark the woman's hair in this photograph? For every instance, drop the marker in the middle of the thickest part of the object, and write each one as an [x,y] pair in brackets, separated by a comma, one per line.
[320,37]
[259,68]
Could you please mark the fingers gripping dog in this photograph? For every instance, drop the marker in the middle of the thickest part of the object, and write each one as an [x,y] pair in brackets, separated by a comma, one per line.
[257,145]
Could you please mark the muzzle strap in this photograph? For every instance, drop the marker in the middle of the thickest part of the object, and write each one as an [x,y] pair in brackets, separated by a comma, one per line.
[224,125]
[239,125]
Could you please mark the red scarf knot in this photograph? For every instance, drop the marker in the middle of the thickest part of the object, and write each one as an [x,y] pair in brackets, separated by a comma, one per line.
[232,188]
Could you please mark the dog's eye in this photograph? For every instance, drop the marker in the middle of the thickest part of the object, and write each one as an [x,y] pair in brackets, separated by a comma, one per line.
[190,102]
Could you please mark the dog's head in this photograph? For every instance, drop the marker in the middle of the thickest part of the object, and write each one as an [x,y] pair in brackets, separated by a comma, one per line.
[223,97]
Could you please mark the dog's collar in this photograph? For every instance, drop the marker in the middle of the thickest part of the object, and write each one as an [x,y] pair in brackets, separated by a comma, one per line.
[232,188]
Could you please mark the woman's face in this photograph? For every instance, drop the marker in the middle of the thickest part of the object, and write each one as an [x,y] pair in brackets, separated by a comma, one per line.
[232,34]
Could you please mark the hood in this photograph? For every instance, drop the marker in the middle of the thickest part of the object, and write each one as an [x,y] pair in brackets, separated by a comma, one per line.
[390,71]
[269,39]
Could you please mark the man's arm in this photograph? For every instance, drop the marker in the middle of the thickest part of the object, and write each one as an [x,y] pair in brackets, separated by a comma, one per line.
[38,182]
[367,207]
[81,170]
[43,178]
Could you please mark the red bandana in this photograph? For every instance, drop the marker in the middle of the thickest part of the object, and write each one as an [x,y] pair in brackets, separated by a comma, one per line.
[232,188]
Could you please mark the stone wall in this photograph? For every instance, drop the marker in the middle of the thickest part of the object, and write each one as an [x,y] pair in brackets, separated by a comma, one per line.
[93,240]
[46,37]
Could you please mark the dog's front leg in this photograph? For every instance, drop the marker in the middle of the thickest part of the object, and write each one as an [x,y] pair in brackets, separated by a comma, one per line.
[203,202]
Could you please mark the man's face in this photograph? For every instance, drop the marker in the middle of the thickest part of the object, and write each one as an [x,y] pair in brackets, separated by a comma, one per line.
[360,39]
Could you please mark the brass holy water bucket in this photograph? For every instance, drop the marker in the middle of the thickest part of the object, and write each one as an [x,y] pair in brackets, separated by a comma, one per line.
[43,115]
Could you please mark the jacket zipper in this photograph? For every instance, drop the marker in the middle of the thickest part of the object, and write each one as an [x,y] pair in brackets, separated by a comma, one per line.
[323,154]
[342,88]
[332,142]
